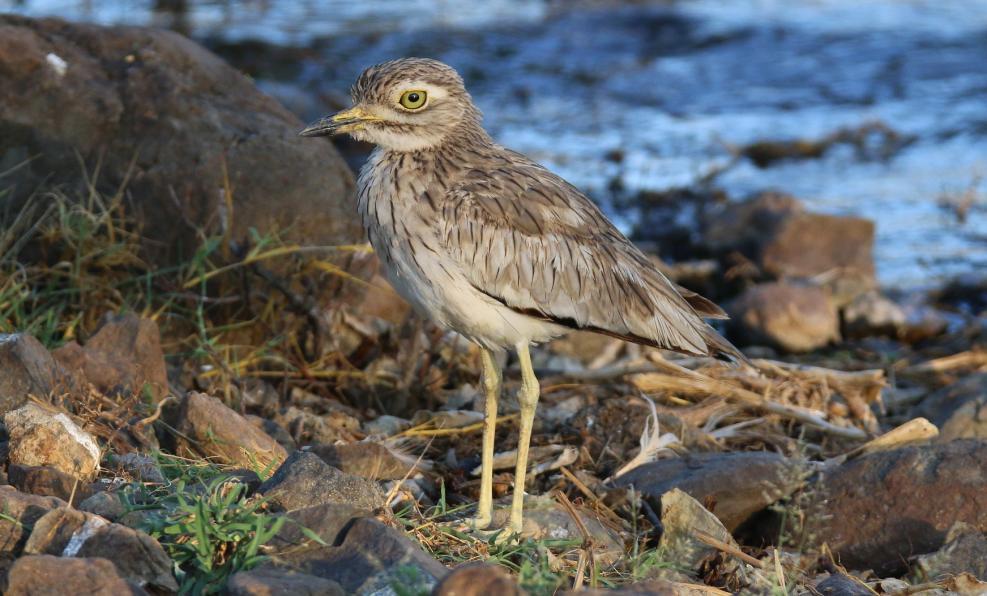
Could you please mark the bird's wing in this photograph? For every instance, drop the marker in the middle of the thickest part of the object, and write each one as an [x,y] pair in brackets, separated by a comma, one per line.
[533,242]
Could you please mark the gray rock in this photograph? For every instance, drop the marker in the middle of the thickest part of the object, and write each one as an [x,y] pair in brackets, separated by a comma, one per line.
[876,511]
[53,532]
[105,504]
[713,478]
[681,517]
[26,368]
[268,581]
[138,557]
[39,437]
[367,459]
[142,468]
[156,106]
[327,521]
[790,317]
[304,480]
[275,431]
[386,425]
[371,557]
[21,512]
[965,551]
[839,584]
[40,575]
[218,432]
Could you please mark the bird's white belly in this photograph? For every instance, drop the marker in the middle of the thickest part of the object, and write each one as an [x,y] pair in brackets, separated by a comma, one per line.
[441,293]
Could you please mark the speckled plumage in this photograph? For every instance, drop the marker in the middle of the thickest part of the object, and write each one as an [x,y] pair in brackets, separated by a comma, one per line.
[492,245]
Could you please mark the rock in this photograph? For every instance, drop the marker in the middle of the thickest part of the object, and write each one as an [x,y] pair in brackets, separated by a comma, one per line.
[367,459]
[546,518]
[138,557]
[49,482]
[785,241]
[26,510]
[221,433]
[26,368]
[304,480]
[274,430]
[792,318]
[386,425]
[959,409]
[313,428]
[53,533]
[876,511]
[139,467]
[105,504]
[327,521]
[41,575]
[122,358]
[268,581]
[839,584]
[681,516]
[39,437]
[478,579]
[372,556]
[712,478]
[965,551]
[647,588]
[157,108]
[872,314]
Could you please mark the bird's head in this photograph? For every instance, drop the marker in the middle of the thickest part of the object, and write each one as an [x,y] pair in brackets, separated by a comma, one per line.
[403,105]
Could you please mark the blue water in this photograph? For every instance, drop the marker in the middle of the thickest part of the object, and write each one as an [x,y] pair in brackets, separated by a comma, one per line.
[675,87]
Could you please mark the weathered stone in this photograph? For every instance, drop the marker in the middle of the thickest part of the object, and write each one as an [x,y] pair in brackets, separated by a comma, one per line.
[274,430]
[872,314]
[545,518]
[792,318]
[139,467]
[54,531]
[965,551]
[304,480]
[327,521]
[41,575]
[39,437]
[367,459]
[105,504]
[386,425]
[26,368]
[268,581]
[315,429]
[155,107]
[221,433]
[959,409]
[785,241]
[712,478]
[478,579]
[138,557]
[49,482]
[681,517]
[876,511]
[839,584]
[371,557]
[21,512]
[122,358]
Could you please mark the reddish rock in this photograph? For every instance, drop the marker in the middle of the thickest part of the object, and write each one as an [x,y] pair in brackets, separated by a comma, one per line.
[42,575]
[877,511]
[219,432]
[48,481]
[122,357]
[269,581]
[790,317]
[367,459]
[21,512]
[478,579]
[42,437]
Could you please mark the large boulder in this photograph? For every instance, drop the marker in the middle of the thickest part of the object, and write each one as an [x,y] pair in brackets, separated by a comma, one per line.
[162,113]
[877,511]
[43,437]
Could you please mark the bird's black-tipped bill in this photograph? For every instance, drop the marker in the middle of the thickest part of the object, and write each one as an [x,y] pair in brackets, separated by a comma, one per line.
[342,122]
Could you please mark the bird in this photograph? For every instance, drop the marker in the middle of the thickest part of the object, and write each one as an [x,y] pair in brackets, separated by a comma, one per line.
[490,244]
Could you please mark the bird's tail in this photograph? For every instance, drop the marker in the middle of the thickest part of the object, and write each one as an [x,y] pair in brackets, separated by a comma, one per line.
[719,346]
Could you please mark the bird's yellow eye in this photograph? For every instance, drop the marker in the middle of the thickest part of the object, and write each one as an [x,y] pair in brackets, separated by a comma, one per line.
[414,99]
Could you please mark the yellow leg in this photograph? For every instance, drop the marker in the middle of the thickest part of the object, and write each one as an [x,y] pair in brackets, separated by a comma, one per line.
[491,387]
[528,399]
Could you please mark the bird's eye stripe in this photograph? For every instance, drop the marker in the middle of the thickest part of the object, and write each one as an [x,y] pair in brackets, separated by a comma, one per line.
[413,99]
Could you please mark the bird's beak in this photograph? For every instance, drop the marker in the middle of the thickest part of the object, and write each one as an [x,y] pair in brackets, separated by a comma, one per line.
[343,122]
